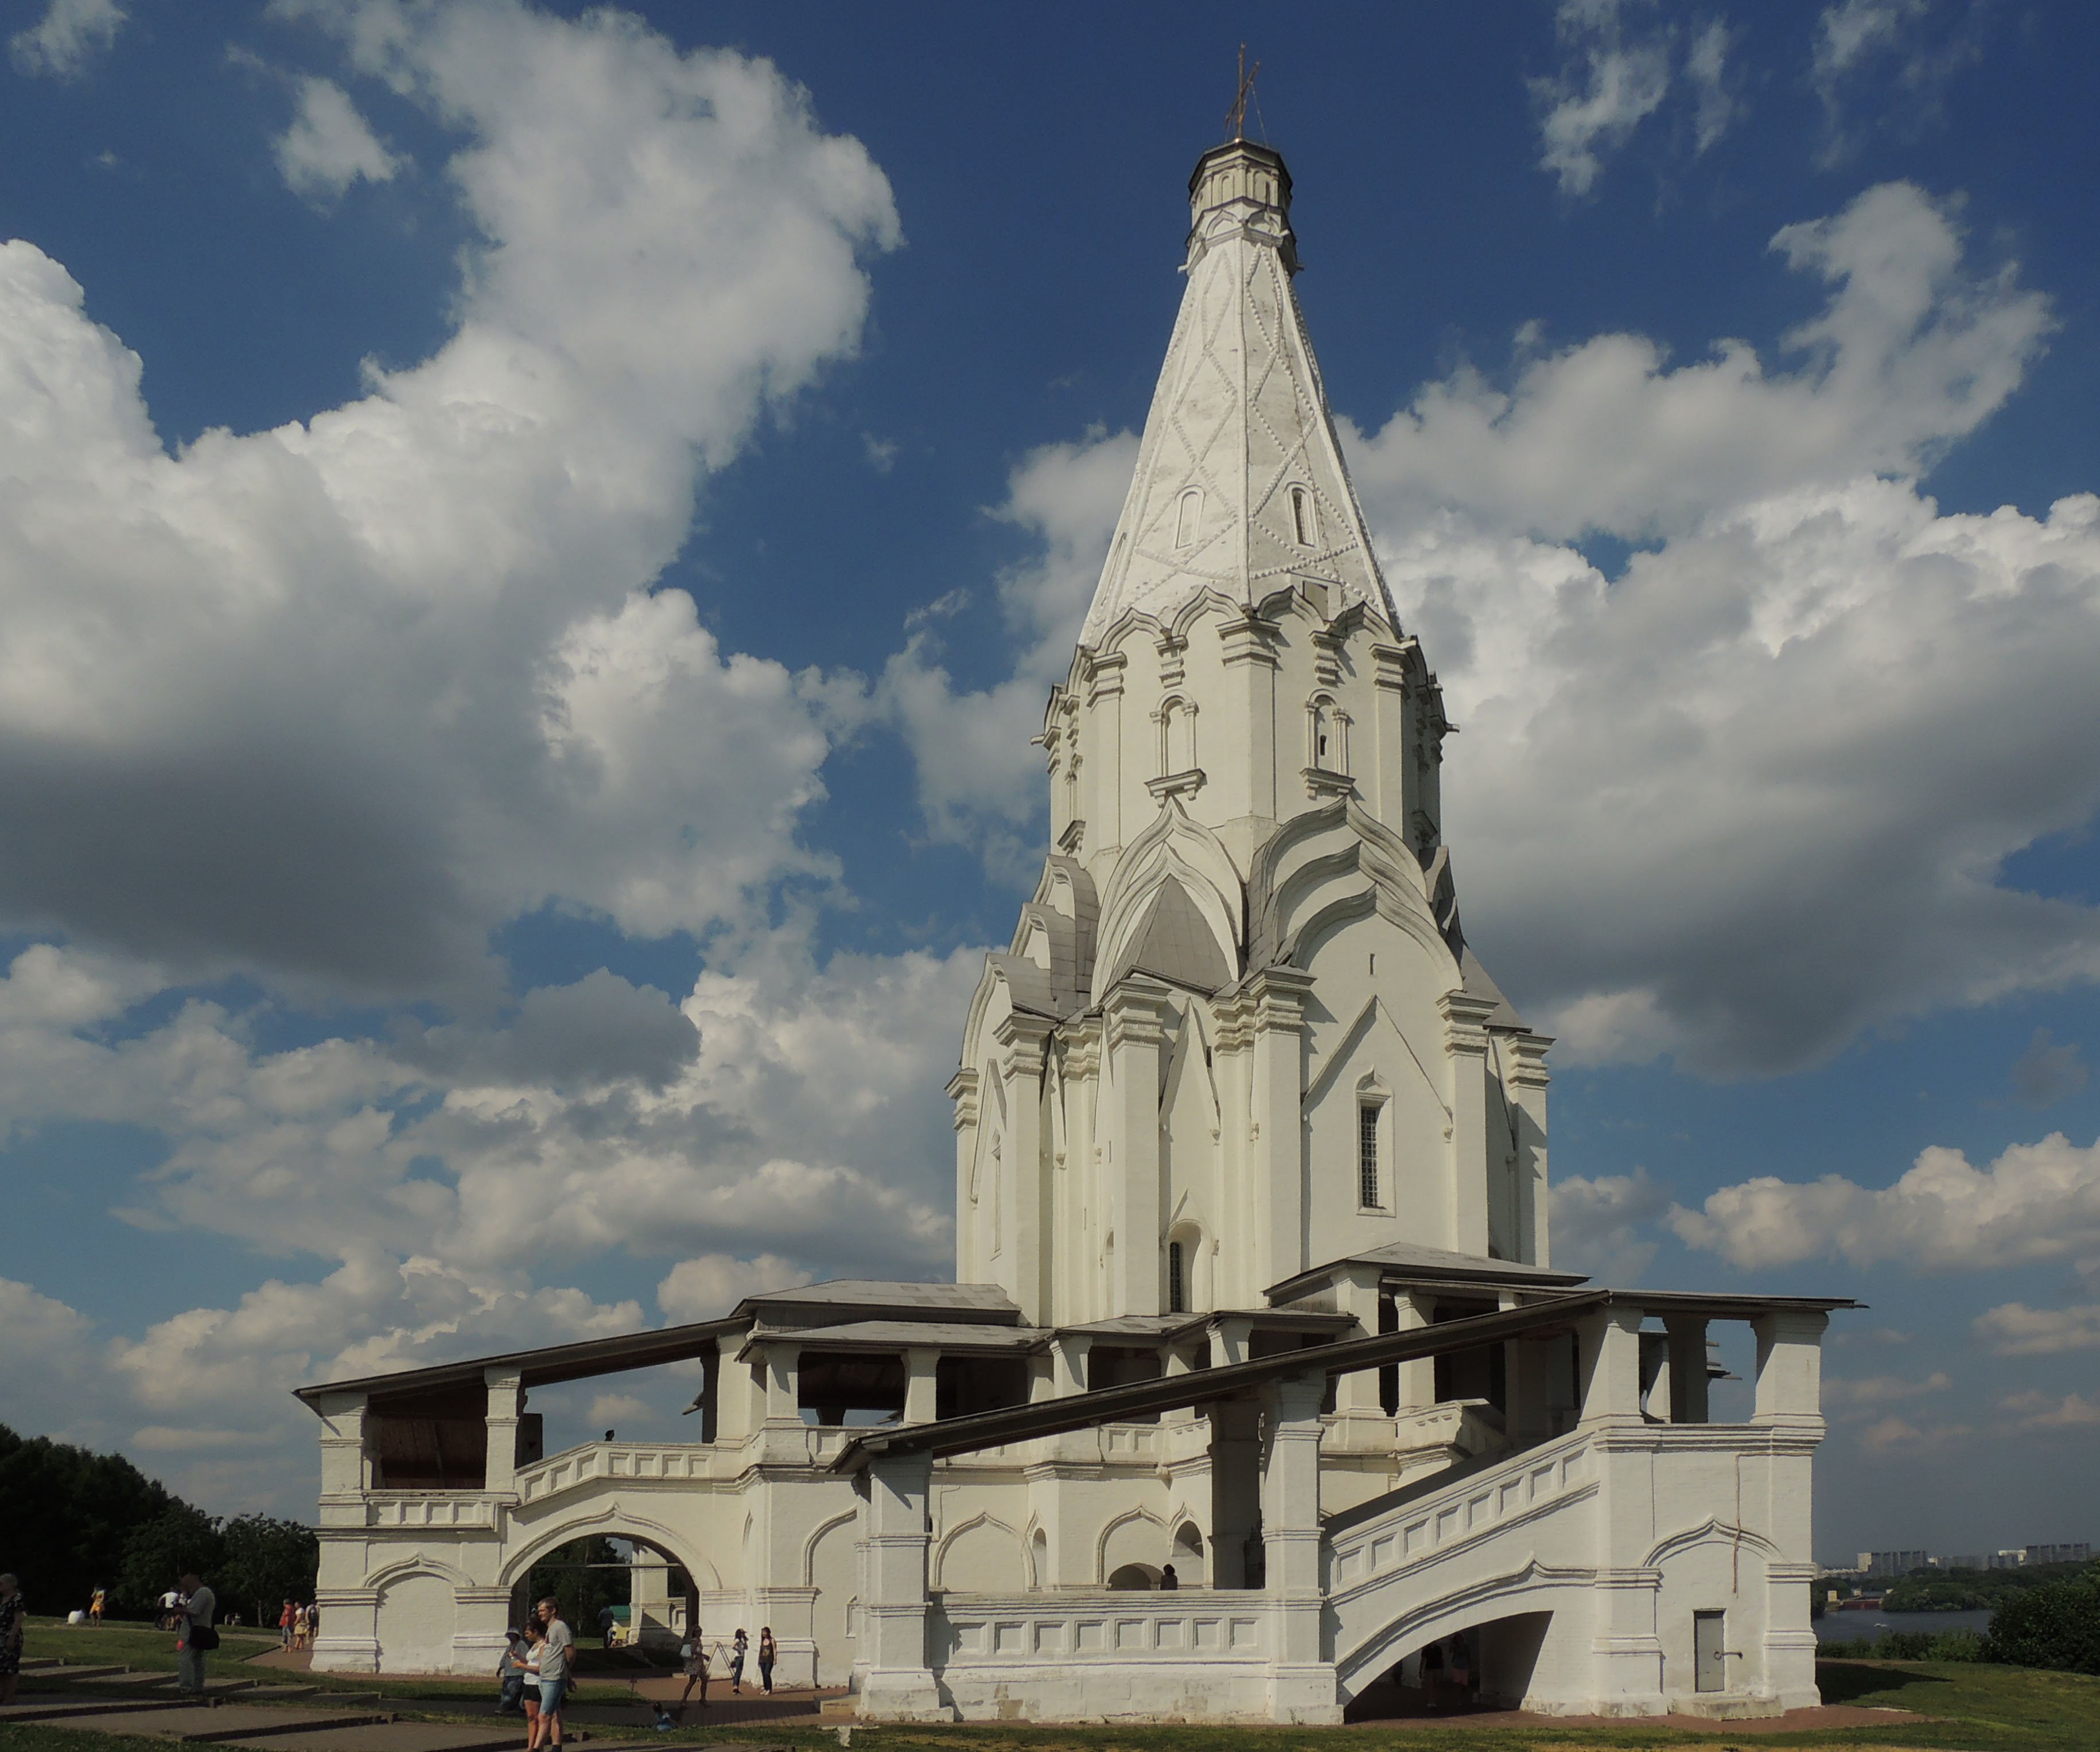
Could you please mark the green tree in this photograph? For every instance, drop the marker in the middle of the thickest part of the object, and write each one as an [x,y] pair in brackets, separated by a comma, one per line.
[68,1516]
[2056,1625]
[585,1576]
[178,1542]
[266,1562]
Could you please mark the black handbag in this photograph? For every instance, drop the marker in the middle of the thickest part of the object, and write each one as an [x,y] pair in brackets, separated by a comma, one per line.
[203,1638]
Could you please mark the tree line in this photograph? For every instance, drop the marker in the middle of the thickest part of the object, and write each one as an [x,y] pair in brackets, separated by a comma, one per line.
[72,1520]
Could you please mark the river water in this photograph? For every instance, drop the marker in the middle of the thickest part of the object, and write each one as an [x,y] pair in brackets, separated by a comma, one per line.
[1861,1626]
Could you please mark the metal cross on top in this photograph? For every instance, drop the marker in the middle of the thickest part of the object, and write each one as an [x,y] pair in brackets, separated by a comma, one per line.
[1236,117]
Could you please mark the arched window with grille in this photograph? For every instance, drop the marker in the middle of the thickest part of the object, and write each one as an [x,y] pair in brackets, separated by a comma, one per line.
[1304,517]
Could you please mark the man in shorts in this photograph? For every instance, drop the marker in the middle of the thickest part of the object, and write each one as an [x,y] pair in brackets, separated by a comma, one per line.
[554,1665]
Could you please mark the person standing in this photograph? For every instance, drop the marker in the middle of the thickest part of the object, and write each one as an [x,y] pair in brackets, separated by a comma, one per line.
[95,1603]
[510,1674]
[1432,1674]
[1462,1673]
[608,1620]
[528,1662]
[737,1650]
[195,1637]
[554,1658]
[285,1626]
[14,1620]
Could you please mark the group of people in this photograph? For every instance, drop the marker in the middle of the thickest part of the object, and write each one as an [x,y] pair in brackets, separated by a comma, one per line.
[1447,1675]
[697,1663]
[297,1624]
[534,1673]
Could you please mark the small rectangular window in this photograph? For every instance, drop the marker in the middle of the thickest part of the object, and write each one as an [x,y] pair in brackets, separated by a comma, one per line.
[1177,1287]
[1367,1155]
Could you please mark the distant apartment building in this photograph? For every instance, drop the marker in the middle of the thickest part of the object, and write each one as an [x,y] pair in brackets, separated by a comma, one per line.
[2014,1556]
[1879,1564]
[2079,1553]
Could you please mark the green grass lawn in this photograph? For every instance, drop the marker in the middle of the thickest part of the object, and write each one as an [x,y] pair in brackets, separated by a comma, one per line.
[1975,1709]
[145,1650]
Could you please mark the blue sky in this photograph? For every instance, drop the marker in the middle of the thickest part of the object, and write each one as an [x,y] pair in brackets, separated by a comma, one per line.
[533,544]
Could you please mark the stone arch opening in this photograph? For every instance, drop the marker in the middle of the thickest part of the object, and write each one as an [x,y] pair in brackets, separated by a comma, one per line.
[615,1589]
[1451,1670]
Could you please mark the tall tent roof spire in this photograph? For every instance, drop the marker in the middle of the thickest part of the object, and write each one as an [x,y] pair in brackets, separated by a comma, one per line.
[1240,486]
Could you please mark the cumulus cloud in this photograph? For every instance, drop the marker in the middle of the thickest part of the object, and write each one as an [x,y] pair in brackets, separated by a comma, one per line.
[2036,1202]
[2015,1330]
[329,146]
[371,684]
[711,1285]
[1598,1223]
[1735,763]
[69,35]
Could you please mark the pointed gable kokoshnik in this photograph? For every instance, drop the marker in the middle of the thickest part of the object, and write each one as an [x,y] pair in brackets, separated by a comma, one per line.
[1240,486]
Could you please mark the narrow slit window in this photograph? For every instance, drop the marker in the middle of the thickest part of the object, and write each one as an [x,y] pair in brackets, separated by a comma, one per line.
[1367,1155]
[1304,527]
[1177,1280]
[1188,520]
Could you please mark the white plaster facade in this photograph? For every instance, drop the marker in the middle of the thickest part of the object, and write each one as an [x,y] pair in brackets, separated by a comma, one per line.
[1253,1264]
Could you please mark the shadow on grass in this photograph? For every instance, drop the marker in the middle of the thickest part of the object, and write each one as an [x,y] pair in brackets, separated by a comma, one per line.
[1845,1681]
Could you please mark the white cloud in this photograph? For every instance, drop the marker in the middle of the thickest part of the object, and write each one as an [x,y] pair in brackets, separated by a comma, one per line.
[2036,1202]
[329,145]
[614,1408]
[2040,1411]
[1611,82]
[2015,1330]
[1866,1394]
[1706,66]
[371,684]
[980,779]
[1597,1223]
[1914,46]
[710,1286]
[2047,1072]
[69,34]
[49,1368]
[1899,1434]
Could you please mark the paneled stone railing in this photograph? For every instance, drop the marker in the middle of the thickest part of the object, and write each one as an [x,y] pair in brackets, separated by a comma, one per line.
[1098,1626]
[1374,1544]
[614,1460]
[418,1508]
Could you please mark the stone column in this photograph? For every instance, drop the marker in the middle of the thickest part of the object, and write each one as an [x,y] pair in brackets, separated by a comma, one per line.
[1069,1349]
[1356,1295]
[1277,1156]
[1136,1011]
[1418,1378]
[1246,774]
[1466,1050]
[506,1397]
[1023,1040]
[349,1640]
[1687,1369]
[1301,1684]
[1789,1406]
[899,1687]
[783,1387]
[1235,1487]
[1627,1664]
[1528,1081]
[921,1363]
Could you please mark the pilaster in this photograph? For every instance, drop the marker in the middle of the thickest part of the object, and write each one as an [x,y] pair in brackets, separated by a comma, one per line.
[1023,1039]
[1247,786]
[1102,774]
[1526,1093]
[1276,1153]
[1135,1026]
[1465,1050]
[964,1092]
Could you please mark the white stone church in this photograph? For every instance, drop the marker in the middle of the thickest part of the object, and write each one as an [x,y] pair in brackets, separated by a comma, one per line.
[1252,1261]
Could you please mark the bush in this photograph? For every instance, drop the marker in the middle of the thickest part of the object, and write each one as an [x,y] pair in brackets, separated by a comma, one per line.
[2057,1625]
